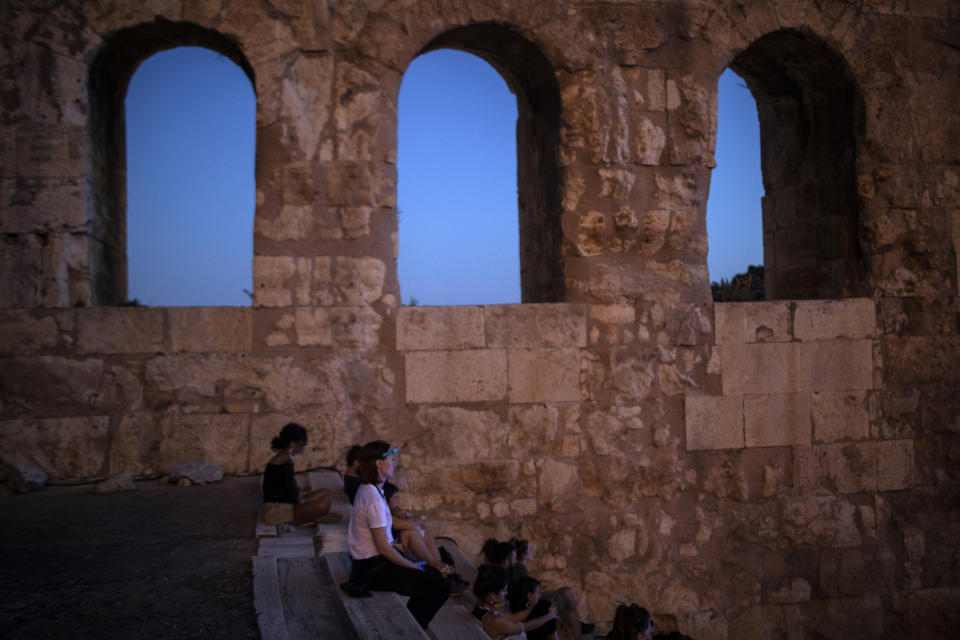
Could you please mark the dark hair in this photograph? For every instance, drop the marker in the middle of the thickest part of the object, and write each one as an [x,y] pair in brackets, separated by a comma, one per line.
[353,454]
[522,546]
[673,635]
[372,451]
[629,622]
[292,432]
[490,578]
[389,490]
[524,586]
[497,552]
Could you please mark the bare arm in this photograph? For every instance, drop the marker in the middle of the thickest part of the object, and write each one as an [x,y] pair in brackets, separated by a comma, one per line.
[504,625]
[386,549]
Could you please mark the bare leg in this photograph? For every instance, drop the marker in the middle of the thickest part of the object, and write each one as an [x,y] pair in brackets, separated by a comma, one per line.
[312,510]
[424,547]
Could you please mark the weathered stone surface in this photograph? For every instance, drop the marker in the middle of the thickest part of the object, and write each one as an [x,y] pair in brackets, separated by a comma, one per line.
[22,333]
[459,435]
[836,468]
[840,416]
[21,478]
[714,422]
[456,376]
[220,439]
[210,329]
[358,281]
[832,319]
[747,322]
[197,472]
[544,375]
[271,275]
[776,420]
[62,447]
[435,328]
[535,325]
[105,330]
[116,484]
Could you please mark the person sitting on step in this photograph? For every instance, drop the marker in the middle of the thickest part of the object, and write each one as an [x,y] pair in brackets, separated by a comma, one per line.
[351,481]
[283,501]
[490,587]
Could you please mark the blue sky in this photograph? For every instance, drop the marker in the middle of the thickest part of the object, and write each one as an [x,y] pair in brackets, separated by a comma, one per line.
[190,164]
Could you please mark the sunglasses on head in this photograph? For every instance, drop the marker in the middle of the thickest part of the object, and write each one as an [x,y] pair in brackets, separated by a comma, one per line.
[386,454]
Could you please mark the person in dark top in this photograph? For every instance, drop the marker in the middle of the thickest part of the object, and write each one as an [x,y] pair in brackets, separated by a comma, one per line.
[631,622]
[351,480]
[282,498]
[490,587]
[524,598]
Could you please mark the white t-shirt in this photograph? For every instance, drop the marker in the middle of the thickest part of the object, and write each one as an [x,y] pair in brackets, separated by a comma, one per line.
[370,511]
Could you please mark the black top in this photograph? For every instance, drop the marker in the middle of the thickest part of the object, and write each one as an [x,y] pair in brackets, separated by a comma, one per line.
[279,485]
[350,486]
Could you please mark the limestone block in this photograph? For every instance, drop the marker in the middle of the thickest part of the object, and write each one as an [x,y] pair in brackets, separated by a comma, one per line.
[40,205]
[792,590]
[654,232]
[22,332]
[764,368]
[294,222]
[49,385]
[458,435]
[613,313]
[306,98]
[46,150]
[855,617]
[839,365]
[355,221]
[622,544]
[105,330]
[211,329]
[424,328]
[896,467]
[766,621]
[836,468]
[714,422]
[456,376]
[62,447]
[842,415]
[544,375]
[133,439]
[846,572]
[271,275]
[355,327]
[197,472]
[558,482]
[922,360]
[776,420]
[513,326]
[649,141]
[592,234]
[358,281]
[826,521]
[533,431]
[220,438]
[749,322]
[832,319]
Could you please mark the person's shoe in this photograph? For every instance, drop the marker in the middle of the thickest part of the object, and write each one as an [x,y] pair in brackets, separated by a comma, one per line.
[457,584]
[587,627]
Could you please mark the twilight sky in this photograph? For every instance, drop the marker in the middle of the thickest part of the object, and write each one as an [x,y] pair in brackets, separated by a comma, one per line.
[190,157]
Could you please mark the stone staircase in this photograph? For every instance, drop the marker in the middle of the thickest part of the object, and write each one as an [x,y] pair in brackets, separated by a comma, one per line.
[296,574]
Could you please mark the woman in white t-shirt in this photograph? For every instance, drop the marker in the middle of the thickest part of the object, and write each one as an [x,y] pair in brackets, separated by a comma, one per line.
[376,563]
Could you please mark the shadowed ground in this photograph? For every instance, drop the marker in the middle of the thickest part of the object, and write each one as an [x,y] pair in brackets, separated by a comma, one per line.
[158,562]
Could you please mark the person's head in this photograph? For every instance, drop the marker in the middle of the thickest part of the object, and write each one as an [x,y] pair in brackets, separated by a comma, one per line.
[524,550]
[490,586]
[376,462]
[390,491]
[632,622]
[524,593]
[292,435]
[353,458]
[502,554]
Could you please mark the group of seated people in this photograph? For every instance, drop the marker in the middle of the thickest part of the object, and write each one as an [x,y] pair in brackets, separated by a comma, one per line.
[391,550]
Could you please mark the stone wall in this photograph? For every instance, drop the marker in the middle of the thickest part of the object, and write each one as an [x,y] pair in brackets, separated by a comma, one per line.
[760,470]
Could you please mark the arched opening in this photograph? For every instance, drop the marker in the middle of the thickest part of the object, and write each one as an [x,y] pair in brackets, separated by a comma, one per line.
[457,187]
[110,73]
[810,114]
[734,220]
[190,136]
[530,77]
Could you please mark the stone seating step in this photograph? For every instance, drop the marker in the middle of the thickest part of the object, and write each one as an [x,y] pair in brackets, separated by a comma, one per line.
[382,617]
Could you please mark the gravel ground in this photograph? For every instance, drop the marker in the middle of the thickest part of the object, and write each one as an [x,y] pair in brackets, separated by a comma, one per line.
[158,562]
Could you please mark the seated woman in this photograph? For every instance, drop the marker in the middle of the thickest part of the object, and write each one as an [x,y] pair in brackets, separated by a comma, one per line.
[490,588]
[631,623]
[376,562]
[499,553]
[564,597]
[351,481]
[526,603]
[411,534]
[282,499]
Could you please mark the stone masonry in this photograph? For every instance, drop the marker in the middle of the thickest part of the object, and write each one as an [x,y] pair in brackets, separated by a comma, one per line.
[780,469]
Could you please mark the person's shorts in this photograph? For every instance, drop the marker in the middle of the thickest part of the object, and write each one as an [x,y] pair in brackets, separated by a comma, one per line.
[277,512]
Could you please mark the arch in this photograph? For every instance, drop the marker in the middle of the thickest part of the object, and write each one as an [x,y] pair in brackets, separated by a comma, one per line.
[811,119]
[110,71]
[531,78]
